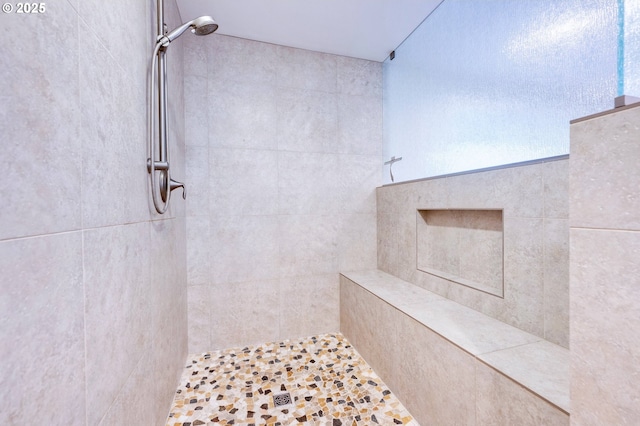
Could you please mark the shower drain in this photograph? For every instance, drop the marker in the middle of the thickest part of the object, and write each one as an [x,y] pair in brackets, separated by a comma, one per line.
[282,399]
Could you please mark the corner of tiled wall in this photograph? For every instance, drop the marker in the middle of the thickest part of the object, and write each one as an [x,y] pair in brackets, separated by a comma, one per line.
[605,248]
[94,284]
[283,160]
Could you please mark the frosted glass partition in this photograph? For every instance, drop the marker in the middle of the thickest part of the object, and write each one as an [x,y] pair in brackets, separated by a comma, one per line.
[631,42]
[485,83]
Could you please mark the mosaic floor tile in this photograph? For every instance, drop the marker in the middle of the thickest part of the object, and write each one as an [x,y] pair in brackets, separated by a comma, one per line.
[320,380]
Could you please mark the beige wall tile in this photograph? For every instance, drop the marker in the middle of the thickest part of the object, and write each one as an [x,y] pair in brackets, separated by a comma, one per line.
[111,164]
[196,95]
[234,59]
[605,290]
[308,305]
[604,173]
[42,334]
[245,248]
[533,296]
[133,303]
[117,285]
[423,377]
[556,281]
[501,401]
[252,318]
[360,125]
[291,183]
[359,77]
[356,242]
[300,188]
[556,189]
[373,324]
[308,245]
[243,115]
[523,364]
[304,69]
[40,106]
[199,318]
[307,121]
[242,182]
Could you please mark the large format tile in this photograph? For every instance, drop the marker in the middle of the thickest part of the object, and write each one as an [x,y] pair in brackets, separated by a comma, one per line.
[135,401]
[556,281]
[169,332]
[242,115]
[500,401]
[117,310]
[377,336]
[242,182]
[241,60]
[39,106]
[198,250]
[541,367]
[523,274]
[605,313]
[197,180]
[308,245]
[356,242]
[604,173]
[196,110]
[244,248]
[471,330]
[359,77]
[244,313]
[199,318]
[358,176]
[113,114]
[307,121]
[42,333]
[304,69]
[298,173]
[424,380]
[308,305]
[556,189]
[122,33]
[360,125]
[517,190]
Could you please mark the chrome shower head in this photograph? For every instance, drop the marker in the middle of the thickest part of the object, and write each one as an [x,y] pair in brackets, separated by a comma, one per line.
[200,26]
[204,25]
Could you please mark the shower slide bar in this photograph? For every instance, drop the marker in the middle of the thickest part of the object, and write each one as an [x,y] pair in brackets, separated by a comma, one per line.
[200,26]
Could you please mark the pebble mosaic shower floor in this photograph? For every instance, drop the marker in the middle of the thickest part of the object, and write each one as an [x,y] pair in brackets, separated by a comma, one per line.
[319,380]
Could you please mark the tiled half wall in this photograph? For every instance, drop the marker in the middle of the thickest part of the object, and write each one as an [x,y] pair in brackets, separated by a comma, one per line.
[533,199]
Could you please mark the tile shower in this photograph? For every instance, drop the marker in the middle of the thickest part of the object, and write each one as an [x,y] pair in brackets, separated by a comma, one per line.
[92,307]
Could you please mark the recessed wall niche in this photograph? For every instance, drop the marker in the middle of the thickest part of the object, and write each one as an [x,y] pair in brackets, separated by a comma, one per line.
[462,246]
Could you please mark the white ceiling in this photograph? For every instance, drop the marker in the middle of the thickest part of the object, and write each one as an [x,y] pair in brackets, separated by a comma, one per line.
[366,29]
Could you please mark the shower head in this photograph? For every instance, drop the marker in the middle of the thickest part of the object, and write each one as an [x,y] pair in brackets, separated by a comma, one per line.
[204,25]
[200,26]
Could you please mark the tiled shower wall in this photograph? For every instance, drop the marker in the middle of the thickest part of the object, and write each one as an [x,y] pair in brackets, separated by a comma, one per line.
[535,211]
[93,306]
[605,268]
[283,157]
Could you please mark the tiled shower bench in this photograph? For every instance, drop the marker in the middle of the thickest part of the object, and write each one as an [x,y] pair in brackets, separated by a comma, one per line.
[449,364]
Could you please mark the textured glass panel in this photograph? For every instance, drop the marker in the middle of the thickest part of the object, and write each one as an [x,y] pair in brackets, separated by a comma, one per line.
[632,48]
[492,82]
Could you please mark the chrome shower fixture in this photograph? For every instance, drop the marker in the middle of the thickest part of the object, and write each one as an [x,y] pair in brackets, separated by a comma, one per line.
[158,110]
[200,26]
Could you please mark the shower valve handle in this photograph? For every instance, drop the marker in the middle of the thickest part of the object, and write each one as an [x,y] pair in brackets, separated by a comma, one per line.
[173,184]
